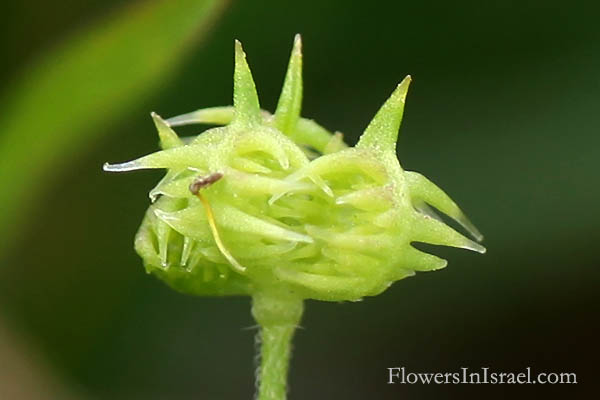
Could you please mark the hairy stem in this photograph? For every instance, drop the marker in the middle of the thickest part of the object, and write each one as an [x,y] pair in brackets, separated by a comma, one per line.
[278,314]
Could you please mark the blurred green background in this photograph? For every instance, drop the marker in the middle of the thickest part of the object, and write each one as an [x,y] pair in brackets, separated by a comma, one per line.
[503,114]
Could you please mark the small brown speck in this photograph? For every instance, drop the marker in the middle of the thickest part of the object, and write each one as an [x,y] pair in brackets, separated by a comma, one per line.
[204,181]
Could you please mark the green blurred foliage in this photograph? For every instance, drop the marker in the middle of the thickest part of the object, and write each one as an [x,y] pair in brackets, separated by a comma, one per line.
[502,114]
[69,95]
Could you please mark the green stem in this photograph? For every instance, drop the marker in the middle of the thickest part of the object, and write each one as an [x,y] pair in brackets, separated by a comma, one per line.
[278,314]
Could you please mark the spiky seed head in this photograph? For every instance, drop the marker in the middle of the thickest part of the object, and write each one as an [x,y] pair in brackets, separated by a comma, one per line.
[277,201]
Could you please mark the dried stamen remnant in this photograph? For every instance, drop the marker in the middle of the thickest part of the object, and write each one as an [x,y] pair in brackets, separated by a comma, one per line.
[204,181]
[196,185]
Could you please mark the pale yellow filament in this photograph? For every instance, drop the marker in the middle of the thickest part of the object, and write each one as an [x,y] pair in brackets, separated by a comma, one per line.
[215,232]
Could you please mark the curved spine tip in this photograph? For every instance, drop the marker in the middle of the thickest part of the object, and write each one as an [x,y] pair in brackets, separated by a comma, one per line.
[422,190]
[122,167]
[245,97]
[290,101]
[432,231]
[382,132]
[211,115]
[168,137]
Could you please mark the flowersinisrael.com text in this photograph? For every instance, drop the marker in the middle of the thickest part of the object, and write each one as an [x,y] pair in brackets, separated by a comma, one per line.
[479,376]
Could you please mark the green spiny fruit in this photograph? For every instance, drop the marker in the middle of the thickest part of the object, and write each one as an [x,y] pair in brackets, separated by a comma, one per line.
[276,202]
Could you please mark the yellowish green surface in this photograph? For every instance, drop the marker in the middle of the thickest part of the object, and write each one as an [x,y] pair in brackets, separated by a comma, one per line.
[266,208]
